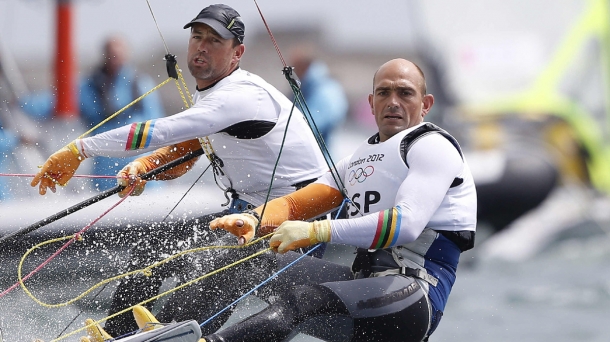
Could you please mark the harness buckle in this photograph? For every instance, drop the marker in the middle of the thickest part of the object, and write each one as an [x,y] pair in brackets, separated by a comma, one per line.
[418,273]
[238,205]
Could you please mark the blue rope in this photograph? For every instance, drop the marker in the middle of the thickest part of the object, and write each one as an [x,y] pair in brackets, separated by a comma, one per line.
[259,285]
[345,200]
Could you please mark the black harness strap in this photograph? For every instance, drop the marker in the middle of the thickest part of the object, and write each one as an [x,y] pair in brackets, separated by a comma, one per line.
[422,131]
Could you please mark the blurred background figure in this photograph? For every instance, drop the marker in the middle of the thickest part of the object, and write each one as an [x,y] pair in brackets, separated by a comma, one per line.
[111,86]
[18,134]
[8,138]
[323,95]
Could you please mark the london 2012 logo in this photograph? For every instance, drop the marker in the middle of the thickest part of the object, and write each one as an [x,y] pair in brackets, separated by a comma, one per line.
[360,174]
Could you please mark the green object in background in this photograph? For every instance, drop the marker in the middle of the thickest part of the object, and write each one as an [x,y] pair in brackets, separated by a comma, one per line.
[544,98]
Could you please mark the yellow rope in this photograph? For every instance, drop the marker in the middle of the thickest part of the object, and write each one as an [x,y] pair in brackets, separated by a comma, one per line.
[125,108]
[173,290]
[205,141]
[147,271]
[190,97]
[28,253]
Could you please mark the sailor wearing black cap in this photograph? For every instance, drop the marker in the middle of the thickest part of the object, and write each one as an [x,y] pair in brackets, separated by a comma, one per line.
[241,121]
[223,19]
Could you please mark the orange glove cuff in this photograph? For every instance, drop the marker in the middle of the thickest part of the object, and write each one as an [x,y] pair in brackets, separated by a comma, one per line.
[307,203]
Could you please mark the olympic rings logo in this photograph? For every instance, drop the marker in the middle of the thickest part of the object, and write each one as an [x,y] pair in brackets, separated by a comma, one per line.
[360,175]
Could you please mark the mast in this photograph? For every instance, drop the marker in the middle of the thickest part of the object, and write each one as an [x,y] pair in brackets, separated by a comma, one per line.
[65,63]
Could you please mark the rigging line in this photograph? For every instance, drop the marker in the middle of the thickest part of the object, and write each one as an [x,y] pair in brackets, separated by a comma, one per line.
[79,313]
[176,74]
[277,161]
[300,98]
[277,48]
[260,285]
[345,200]
[33,175]
[156,24]
[295,86]
[186,89]
[186,193]
[75,237]
[321,143]
[172,64]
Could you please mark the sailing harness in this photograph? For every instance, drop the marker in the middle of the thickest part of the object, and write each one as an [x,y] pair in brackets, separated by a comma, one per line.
[382,262]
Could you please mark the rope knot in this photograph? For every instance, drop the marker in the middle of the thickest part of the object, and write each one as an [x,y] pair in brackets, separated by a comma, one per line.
[147,272]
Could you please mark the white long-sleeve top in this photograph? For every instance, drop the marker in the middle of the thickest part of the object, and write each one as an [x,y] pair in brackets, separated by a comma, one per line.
[244,118]
[393,201]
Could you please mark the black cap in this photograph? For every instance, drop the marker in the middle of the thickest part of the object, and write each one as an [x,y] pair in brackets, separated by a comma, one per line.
[223,19]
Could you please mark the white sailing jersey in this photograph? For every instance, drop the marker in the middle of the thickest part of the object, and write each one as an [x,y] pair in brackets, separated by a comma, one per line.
[412,197]
[244,118]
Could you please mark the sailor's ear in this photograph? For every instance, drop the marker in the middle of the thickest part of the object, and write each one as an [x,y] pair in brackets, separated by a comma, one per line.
[427,103]
[238,52]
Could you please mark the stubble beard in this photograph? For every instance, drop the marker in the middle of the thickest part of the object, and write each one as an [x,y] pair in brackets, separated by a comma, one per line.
[200,73]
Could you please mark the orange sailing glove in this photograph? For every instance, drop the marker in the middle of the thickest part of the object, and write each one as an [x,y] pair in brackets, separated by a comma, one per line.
[291,235]
[130,174]
[242,225]
[58,169]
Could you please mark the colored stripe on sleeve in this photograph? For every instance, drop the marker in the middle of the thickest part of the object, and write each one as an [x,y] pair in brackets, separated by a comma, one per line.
[378,232]
[150,125]
[132,130]
[140,135]
[388,227]
[137,139]
[396,230]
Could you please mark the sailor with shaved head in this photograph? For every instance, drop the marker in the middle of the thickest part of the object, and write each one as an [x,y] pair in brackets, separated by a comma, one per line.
[412,212]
